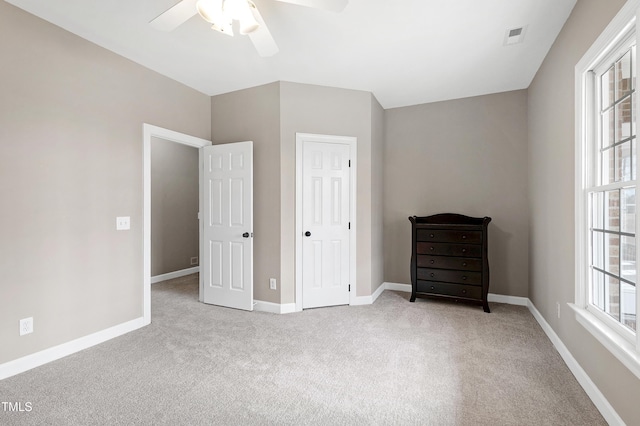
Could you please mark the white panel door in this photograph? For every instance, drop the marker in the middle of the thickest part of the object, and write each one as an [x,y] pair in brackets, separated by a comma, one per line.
[227,247]
[325,224]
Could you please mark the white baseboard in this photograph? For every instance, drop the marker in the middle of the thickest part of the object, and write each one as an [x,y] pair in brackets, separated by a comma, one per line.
[583,378]
[382,287]
[398,287]
[368,300]
[37,359]
[274,308]
[509,300]
[498,298]
[175,274]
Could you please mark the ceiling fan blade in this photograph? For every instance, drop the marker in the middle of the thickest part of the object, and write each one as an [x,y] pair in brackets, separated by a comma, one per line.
[262,38]
[332,5]
[175,16]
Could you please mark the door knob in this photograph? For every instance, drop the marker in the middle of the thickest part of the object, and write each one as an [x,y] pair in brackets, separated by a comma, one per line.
[245,235]
[307,234]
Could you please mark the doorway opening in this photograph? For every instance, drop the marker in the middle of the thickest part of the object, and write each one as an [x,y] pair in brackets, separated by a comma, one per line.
[150,132]
[174,210]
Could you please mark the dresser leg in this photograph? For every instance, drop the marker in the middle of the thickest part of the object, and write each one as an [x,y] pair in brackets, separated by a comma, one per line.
[485,306]
[413,297]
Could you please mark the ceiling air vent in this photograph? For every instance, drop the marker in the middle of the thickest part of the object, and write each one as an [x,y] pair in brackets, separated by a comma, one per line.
[514,36]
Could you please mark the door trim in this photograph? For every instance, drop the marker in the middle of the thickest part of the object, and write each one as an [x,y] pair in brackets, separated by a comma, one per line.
[149,131]
[301,138]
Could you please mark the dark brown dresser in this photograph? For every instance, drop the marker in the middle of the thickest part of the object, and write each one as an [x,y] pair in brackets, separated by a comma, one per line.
[449,257]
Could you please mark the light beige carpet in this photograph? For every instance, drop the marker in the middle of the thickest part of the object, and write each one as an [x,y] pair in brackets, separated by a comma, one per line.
[393,362]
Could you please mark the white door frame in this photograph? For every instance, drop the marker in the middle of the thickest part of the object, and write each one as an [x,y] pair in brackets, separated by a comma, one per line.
[149,131]
[301,138]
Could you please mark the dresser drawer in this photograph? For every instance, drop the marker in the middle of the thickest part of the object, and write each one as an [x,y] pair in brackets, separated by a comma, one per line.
[447,289]
[462,277]
[449,236]
[445,249]
[446,262]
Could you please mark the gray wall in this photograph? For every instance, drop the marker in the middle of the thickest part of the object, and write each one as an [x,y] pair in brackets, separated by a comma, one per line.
[464,156]
[271,115]
[551,189]
[71,117]
[174,206]
[329,111]
[254,115]
[377,194]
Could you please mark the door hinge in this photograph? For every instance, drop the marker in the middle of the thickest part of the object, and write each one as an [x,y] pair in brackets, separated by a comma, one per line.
[349,287]
[349,225]
[349,163]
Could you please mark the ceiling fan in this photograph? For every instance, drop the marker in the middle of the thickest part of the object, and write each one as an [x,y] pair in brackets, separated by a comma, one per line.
[222,13]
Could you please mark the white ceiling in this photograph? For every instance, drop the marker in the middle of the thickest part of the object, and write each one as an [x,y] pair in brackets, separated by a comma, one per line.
[405,52]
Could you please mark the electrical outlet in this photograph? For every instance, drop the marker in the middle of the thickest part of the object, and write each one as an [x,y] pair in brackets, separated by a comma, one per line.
[194,261]
[558,303]
[272,283]
[26,326]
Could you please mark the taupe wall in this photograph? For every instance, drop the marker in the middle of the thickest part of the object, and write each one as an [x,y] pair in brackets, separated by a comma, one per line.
[551,189]
[329,111]
[271,115]
[174,206]
[71,116]
[377,194]
[254,115]
[464,156]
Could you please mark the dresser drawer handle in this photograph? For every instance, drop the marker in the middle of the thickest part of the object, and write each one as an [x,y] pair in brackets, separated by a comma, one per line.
[432,275]
[464,263]
[464,278]
[464,237]
[431,248]
[464,250]
[464,291]
[433,288]
[432,261]
[430,235]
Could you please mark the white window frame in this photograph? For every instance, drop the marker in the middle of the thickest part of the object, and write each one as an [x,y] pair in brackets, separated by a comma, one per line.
[622,343]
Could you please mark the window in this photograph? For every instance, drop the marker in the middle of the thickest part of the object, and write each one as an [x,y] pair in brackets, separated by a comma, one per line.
[606,171]
[611,189]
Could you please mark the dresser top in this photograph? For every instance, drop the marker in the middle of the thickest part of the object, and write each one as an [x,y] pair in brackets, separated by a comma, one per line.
[449,219]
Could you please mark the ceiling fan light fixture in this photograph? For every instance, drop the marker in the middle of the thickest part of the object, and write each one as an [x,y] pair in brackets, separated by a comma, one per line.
[241,11]
[224,29]
[210,10]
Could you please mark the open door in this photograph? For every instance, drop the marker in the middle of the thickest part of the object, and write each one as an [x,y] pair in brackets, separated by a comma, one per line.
[226,197]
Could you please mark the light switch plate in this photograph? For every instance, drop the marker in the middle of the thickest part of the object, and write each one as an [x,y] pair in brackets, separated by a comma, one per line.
[123,223]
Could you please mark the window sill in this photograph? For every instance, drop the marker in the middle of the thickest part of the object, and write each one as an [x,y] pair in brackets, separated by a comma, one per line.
[616,344]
